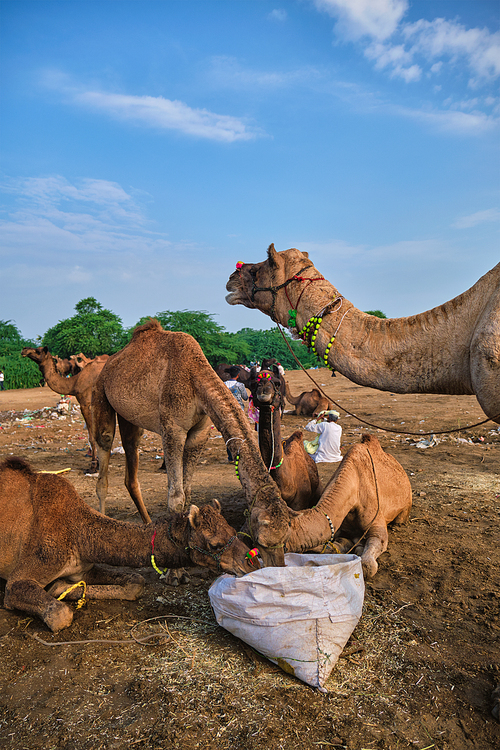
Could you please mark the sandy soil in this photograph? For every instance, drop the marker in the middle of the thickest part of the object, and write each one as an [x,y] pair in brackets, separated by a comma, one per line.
[418,671]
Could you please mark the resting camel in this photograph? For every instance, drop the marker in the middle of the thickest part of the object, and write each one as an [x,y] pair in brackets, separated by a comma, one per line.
[293,470]
[48,533]
[79,386]
[454,348]
[309,403]
[162,382]
[369,490]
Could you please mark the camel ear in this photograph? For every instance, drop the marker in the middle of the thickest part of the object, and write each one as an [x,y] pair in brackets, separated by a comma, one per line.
[194,514]
[216,504]
[294,513]
[306,255]
[272,256]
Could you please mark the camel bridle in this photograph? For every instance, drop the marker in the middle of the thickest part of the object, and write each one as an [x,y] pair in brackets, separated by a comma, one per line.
[214,555]
[277,287]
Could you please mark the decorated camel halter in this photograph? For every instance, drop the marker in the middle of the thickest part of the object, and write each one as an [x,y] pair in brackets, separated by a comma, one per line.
[310,331]
[275,289]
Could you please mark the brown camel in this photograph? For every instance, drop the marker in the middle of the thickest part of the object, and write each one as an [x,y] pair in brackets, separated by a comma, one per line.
[293,470]
[47,533]
[79,361]
[222,371]
[80,386]
[162,382]
[369,490]
[454,348]
[309,403]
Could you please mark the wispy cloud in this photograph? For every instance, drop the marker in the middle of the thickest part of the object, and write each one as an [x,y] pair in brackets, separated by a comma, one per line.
[278,14]
[480,217]
[154,111]
[405,50]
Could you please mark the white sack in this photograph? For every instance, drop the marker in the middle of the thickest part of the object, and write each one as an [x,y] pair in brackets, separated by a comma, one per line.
[300,617]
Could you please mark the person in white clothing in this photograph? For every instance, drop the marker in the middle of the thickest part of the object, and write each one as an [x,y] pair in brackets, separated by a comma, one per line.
[330,434]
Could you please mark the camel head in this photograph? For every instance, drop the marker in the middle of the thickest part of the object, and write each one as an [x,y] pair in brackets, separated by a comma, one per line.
[255,285]
[265,388]
[270,529]
[213,542]
[38,355]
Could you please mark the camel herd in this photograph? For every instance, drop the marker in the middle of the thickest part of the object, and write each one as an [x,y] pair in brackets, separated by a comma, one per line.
[162,382]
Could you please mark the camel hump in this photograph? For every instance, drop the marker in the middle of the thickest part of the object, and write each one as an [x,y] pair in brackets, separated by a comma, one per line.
[17,464]
[151,325]
[371,441]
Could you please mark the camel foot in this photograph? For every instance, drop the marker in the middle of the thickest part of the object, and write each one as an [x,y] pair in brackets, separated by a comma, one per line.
[57,616]
[369,565]
[175,577]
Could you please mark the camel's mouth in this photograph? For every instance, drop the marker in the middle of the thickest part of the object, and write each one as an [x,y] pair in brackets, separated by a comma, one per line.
[237,295]
[272,558]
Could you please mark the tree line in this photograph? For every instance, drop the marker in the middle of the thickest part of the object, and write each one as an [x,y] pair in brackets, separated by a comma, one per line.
[93,330]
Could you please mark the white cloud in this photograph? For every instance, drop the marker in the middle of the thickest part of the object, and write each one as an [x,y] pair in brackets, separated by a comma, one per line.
[154,111]
[414,45]
[278,15]
[465,222]
[478,48]
[357,18]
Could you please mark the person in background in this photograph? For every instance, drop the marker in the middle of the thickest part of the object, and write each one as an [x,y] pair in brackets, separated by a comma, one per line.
[2,381]
[239,392]
[330,434]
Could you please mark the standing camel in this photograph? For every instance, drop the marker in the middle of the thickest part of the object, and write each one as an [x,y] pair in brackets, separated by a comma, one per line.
[293,470]
[454,348]
[162,382]
[79,385]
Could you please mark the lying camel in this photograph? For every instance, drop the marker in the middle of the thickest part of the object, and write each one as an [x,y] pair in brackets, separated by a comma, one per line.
[47,532]
[309,403]
[293,470]
[79,386]
[369,490]
[162,382]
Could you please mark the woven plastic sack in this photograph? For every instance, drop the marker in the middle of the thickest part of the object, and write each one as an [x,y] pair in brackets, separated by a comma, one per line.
[300,616]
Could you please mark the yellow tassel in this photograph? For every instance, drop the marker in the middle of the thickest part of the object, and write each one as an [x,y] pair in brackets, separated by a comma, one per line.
[81,601]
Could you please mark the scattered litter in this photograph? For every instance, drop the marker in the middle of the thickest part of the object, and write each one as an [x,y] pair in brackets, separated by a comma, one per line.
[118,449]
[305,631]
[426,443]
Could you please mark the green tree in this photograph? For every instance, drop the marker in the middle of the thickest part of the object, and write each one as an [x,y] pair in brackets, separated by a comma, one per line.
[376,313]
[270,343]
[93,330]
[218,345]
[18,371]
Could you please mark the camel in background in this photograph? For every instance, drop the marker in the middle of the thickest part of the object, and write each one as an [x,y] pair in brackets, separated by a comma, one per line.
[79,385]
[48,533]
[309,403]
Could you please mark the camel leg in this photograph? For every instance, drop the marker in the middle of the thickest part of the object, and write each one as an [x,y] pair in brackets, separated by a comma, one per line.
[195,442]
[30,597]
[103,432]
[377,540]
[87,416]
[102,583]
[174,439]
[131,436]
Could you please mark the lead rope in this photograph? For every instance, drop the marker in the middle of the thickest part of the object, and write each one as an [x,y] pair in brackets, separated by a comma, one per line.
[371,424]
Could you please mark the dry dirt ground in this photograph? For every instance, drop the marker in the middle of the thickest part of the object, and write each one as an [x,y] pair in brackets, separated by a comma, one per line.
[417,673]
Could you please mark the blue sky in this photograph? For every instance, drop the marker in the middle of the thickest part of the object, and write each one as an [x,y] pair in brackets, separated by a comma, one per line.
[149,146]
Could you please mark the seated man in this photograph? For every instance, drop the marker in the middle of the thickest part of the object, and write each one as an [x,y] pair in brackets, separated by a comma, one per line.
[329,434]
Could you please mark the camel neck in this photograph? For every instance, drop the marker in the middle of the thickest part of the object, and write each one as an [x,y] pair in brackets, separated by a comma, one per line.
[424,353]
[55,380]
[270,445]
[308,530]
